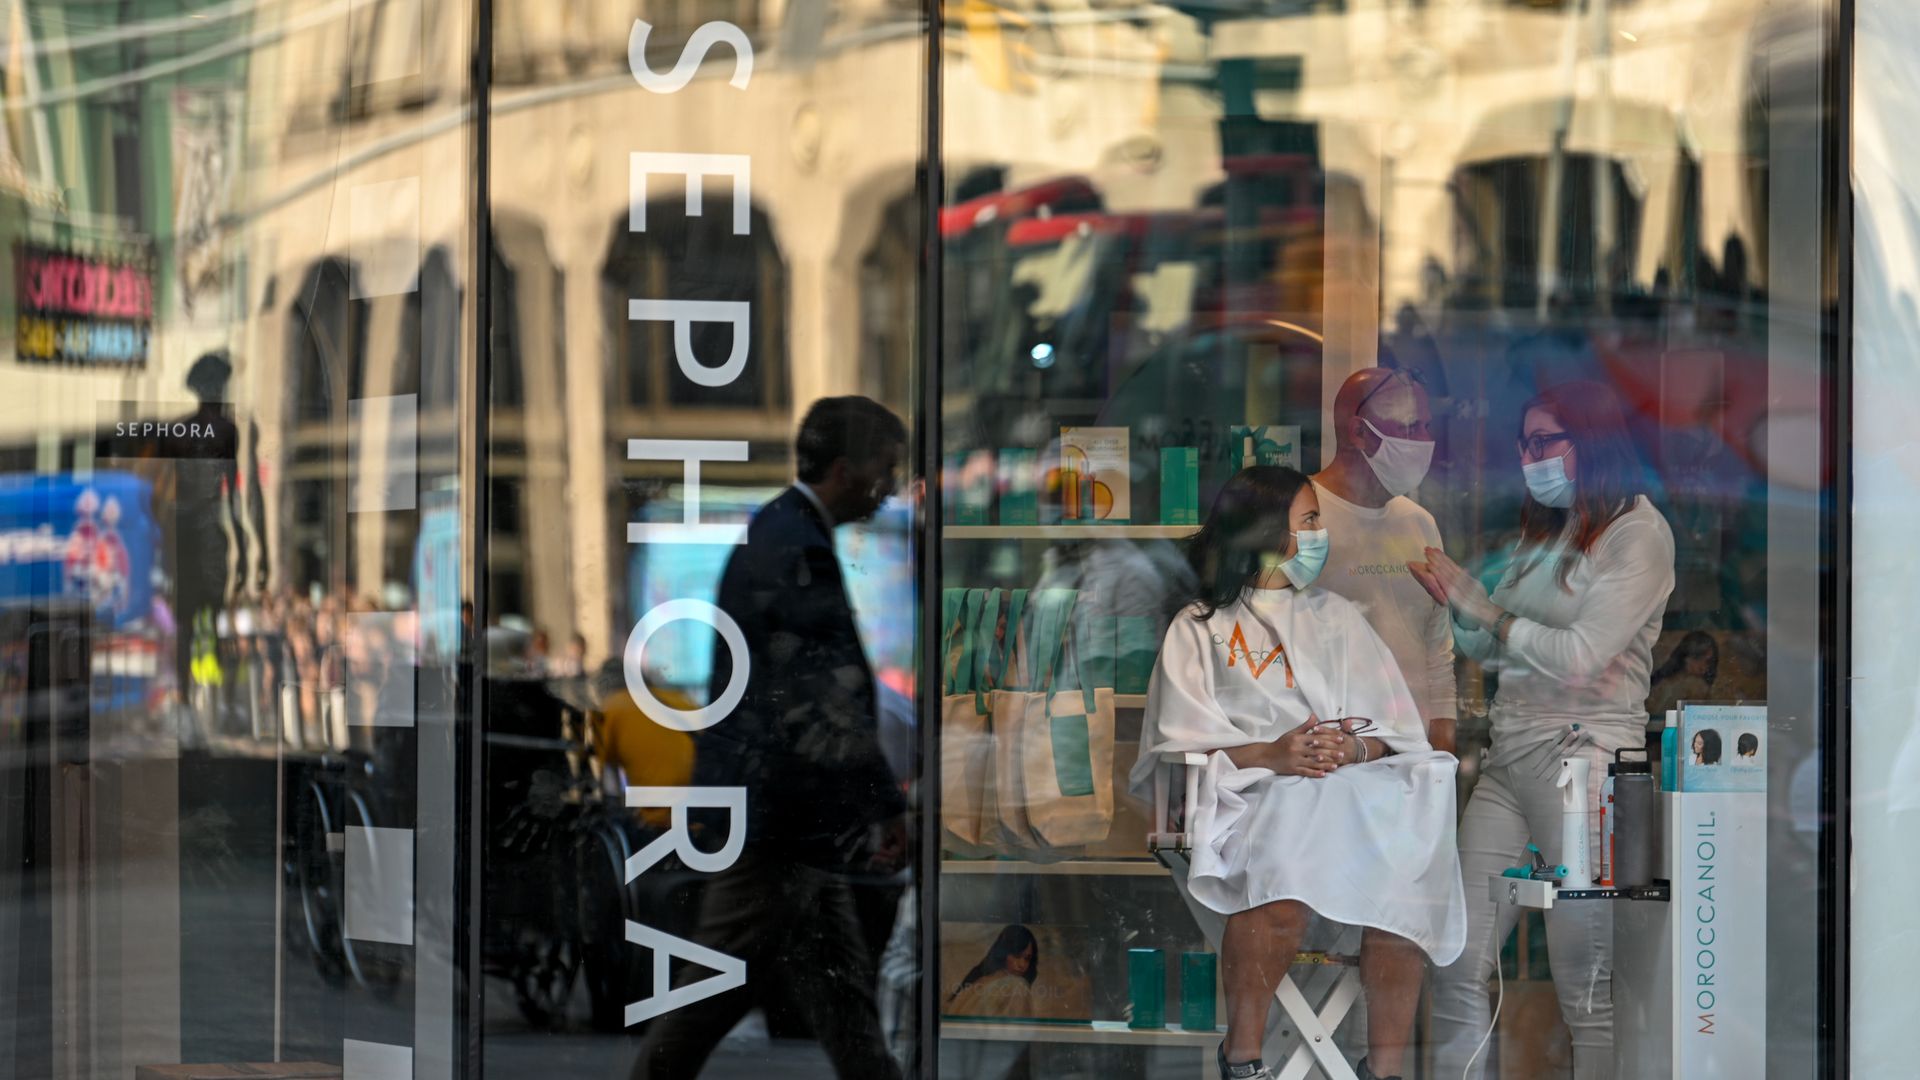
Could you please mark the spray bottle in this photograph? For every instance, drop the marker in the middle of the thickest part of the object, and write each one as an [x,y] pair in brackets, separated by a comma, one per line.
[1575,855]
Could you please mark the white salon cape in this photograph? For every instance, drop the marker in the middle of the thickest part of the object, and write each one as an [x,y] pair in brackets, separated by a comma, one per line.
[1367,845]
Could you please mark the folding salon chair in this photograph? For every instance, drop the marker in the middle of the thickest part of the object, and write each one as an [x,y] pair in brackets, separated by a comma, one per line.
[1300,1024]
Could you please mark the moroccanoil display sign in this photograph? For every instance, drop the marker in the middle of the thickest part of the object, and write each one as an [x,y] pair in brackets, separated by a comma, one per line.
[81,309]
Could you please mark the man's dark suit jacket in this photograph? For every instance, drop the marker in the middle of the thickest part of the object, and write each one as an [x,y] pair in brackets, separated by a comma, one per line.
[804,740]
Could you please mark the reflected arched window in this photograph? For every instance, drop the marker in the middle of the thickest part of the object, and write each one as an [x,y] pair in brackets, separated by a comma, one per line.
[889,303]
[429,363]
[696,258]
[509,389]
[328,340]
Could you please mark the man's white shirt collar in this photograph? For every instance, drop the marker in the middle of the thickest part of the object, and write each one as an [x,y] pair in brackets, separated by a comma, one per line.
[814,498]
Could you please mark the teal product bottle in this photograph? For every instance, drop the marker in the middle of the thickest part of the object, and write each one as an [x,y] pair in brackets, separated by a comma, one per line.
[1147,987]
[1180,485]
[1199,985]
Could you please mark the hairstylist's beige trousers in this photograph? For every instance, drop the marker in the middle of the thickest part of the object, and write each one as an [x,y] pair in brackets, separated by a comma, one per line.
[1512,804]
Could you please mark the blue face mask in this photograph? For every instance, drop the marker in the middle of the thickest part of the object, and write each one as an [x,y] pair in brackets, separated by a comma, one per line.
[1547,482]
[1305,565]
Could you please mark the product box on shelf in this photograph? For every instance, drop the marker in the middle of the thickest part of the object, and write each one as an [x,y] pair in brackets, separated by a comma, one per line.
[1019,487]
[953,466]
[1180,485]
[977,481]
[1096,474]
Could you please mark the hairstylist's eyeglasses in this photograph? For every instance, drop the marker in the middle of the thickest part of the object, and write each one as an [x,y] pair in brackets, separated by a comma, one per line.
[1410,374]
[1537,446]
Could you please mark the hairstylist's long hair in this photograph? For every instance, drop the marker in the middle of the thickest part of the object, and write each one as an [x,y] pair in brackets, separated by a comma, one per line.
[1249,516]
[1608,479]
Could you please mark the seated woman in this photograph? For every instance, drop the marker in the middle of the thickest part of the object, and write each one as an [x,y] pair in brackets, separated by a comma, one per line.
[1321,793]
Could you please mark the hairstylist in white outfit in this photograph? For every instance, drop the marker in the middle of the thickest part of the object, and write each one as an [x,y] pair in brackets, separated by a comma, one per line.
[1383,428]
[1570,630]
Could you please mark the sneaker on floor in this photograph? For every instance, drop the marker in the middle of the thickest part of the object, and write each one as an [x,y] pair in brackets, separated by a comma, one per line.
[1252,1070]
[1366,1072]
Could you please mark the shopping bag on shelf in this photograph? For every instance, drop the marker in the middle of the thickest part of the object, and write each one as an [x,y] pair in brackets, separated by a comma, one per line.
[966,735]
[1006,829]
[1066,737]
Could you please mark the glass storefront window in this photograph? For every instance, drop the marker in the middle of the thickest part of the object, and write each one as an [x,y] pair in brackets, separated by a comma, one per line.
[233,333]
[995,539]
[1524,290]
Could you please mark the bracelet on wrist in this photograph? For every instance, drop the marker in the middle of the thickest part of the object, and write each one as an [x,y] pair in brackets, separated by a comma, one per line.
[1500,624]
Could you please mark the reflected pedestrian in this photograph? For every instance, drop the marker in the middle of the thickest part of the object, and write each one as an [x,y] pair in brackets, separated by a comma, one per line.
[823,805]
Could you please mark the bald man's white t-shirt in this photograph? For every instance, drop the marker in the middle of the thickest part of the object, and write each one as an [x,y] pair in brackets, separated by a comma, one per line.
[1367,564]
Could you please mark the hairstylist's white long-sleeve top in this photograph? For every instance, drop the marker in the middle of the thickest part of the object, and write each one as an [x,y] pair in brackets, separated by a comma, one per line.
[1367,564]
[1581,653]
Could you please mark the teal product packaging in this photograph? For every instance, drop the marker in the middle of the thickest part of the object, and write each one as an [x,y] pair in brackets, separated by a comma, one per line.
[952,468]
[1199,986]
[1147,987]
[1098,652]
[1670,754]
[1180,485]
[976,489]
[1019,487]
[1137,650]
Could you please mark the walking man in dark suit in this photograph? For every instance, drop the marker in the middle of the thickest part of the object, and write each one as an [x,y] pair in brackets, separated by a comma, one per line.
[804,741]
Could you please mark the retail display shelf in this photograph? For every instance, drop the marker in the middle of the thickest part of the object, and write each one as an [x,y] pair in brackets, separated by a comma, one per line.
[1067,532]
[1129,701]
[1066,867]
[1110,1032]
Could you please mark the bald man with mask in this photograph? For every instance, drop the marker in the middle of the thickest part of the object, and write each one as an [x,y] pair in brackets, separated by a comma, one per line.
[1383,434]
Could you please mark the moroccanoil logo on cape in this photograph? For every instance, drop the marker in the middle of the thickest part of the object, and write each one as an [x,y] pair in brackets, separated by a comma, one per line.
[1237,650]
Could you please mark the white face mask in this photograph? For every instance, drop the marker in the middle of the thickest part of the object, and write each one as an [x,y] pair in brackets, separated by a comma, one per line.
[1547,482]
[1400,464]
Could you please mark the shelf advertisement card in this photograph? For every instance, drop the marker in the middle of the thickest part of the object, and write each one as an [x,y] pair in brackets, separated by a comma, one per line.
[1100,456]
[1719,839]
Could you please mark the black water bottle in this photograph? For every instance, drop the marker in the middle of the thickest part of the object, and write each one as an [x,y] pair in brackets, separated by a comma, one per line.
[1636,823]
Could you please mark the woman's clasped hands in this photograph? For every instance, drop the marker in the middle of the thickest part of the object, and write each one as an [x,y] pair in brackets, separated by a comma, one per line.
[1314,749]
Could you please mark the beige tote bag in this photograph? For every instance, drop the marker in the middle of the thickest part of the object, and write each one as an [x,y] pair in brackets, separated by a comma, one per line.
[1066,737]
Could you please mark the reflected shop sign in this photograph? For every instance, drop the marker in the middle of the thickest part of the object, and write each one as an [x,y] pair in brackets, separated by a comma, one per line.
[728,972]
[82,309]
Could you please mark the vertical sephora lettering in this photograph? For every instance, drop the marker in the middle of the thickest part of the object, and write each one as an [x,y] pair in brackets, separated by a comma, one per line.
[728,972]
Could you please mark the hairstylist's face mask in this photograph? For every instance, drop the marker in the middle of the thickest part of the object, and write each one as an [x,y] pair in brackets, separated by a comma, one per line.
[1548,483]
[1399,464]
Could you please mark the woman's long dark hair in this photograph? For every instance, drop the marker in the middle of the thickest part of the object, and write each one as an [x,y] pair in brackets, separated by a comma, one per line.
[1709,747]
[1695,643]
[1256,500]
[1012,941]
[1608,479]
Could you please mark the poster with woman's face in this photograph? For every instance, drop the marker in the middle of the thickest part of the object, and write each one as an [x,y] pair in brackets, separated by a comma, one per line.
[1723,747]
[1014,971]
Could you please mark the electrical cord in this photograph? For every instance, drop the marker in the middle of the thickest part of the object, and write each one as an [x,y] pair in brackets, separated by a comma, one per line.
[1500,980]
